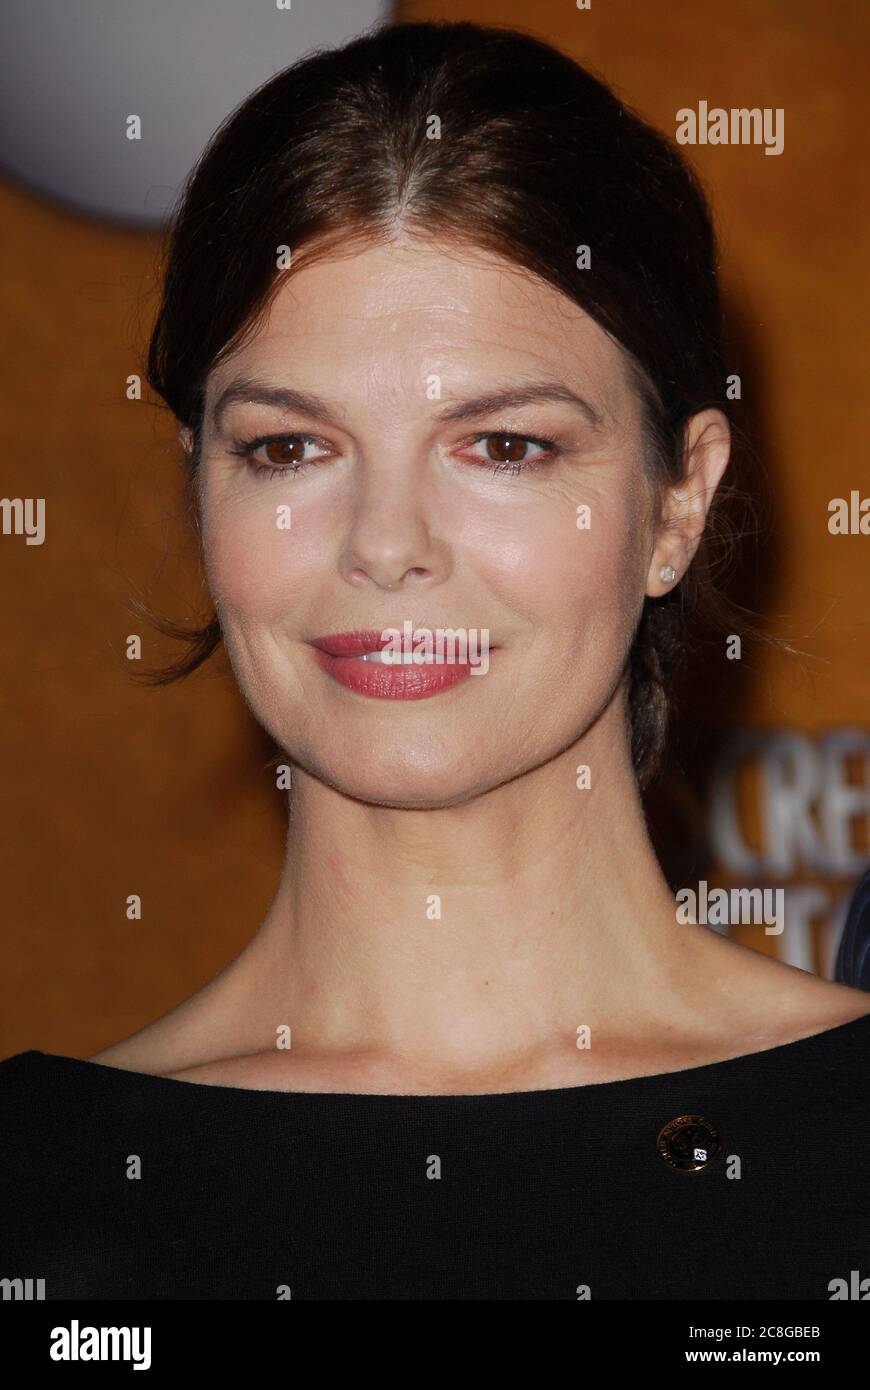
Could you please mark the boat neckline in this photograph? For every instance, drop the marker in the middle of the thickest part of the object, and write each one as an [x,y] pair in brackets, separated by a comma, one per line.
[765,1055]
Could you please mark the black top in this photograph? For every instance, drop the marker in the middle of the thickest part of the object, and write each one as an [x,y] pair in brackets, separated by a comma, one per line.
[117,1184]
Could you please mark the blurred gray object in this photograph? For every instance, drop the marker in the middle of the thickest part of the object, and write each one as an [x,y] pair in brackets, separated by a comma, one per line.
[853,956]
[72,71]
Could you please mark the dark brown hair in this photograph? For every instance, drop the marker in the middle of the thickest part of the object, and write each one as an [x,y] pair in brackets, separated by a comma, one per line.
[535,158]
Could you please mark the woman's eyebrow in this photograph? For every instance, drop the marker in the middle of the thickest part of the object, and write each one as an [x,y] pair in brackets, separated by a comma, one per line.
[260,393]
[529,394]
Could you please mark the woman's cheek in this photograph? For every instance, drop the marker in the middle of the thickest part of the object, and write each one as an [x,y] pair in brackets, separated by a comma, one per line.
[260,555]
[560,566]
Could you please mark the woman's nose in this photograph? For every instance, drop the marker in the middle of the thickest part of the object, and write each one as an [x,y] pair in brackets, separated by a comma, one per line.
[392,541]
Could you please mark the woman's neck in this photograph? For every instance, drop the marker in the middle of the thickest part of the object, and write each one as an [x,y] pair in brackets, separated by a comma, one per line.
[464,936]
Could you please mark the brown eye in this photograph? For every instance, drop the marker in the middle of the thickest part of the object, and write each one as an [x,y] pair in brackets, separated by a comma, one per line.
[506,448]
[285,453]
[509,452]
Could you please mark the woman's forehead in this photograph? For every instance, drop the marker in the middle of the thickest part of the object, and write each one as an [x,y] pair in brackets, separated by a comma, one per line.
[387,315]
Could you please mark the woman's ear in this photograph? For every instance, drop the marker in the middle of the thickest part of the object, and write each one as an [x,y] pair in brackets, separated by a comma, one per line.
[685,504]
[186,437]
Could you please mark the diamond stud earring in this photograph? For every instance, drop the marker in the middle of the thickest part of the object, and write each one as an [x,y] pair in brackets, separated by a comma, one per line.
[667,573]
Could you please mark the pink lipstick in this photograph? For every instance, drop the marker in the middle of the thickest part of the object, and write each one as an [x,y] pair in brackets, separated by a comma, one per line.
[358,661]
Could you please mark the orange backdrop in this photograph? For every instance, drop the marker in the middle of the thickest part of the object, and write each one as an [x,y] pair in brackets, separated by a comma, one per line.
[112,789]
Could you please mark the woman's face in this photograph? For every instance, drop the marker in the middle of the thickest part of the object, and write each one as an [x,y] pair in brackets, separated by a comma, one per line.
[401,515]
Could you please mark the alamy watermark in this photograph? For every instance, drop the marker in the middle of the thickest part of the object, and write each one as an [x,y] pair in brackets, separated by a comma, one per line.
[435,646]
[24,516]
[22,1290]
[725,907]
[76,1343]
[740,125]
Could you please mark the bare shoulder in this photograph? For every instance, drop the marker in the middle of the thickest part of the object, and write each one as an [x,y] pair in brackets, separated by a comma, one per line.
[179,1048]
[189,1034]
[153,1054]
[159,1049]
[138,1052]
[787,1002]
[742,1001]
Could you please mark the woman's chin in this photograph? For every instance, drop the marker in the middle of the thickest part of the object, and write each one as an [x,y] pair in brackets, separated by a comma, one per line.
[405,785]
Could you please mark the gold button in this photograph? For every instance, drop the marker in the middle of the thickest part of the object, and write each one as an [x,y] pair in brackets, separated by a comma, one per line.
[688,1143]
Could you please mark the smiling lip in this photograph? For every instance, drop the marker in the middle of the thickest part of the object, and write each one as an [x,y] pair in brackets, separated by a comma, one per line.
[341,656]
